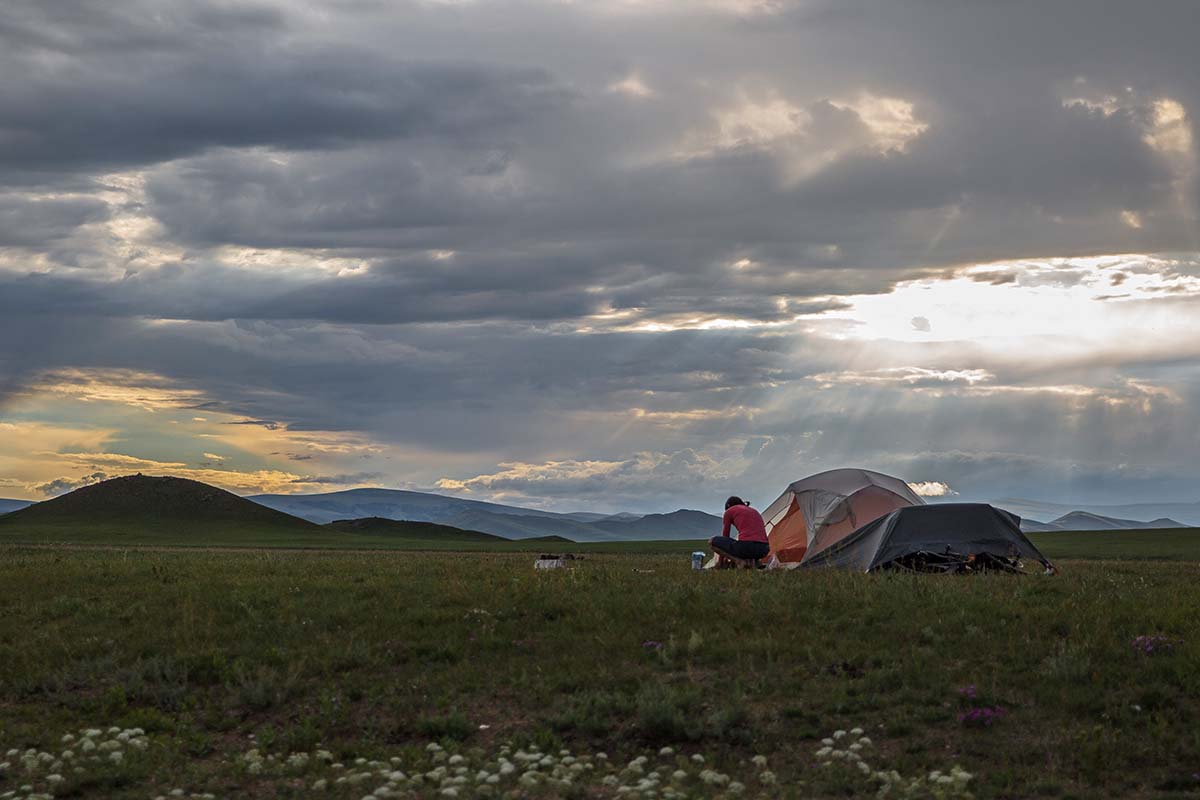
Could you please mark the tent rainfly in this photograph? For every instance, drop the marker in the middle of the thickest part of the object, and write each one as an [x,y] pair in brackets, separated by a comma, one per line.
[819,511]
[945,538]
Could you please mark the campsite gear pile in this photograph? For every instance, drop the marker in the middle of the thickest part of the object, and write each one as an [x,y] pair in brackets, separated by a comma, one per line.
[868,521]
[554,561]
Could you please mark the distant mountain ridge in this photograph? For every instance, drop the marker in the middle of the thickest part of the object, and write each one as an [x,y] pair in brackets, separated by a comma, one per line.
[378,526]
[13,505]
[510,522]
[1087,521]
[1186,513]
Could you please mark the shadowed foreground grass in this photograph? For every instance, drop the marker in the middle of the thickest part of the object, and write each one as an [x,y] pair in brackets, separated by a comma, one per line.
[369,655]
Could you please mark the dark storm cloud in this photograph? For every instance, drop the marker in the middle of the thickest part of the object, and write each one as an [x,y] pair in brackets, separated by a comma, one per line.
[478,194]
[36,223]
[96,87]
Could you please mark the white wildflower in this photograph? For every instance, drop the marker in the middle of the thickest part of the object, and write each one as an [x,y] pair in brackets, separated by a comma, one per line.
[116,756]
[736,788]
[759,761]
[960,774]
[319,785]
[698,759]
[856,731]
[767,777]
[838,734]
[667,751]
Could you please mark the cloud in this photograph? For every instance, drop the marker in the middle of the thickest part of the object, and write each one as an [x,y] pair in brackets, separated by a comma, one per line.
[777,237]
[633,86]
[355,479]
[931,489]
[592,481]
[63,485]
[217,85]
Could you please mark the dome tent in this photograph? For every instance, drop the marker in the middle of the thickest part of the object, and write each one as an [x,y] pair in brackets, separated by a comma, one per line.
[818,511]
[946,537]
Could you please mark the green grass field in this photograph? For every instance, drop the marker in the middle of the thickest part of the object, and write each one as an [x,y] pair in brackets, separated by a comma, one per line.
[1182,544]
[1174,544]
[373,655]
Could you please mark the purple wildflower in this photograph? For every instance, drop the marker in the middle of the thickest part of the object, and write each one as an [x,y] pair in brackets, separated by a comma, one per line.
[652,645]
[969,692]
[1147,644]
[982,716]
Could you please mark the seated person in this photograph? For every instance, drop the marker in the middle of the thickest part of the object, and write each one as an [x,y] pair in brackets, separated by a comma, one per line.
[751,541]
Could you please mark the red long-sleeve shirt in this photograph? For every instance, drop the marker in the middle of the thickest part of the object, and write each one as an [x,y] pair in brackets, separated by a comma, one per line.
[749,524]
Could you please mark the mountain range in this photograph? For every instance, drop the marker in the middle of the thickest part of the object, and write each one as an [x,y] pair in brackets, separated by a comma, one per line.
[510,522]
[1085,521]
[515,522]
[13,505]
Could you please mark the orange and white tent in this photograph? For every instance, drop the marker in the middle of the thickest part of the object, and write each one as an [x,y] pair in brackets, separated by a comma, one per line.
[822,509]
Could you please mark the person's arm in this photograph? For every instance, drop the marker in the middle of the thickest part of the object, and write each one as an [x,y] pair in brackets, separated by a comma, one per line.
[728,518]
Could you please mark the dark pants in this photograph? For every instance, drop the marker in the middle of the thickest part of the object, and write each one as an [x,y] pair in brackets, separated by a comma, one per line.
[750,550]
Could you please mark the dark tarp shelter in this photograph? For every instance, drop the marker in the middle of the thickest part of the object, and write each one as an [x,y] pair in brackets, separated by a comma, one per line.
[940,537]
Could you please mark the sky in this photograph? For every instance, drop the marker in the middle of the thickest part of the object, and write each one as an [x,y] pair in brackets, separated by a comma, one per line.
[601,255]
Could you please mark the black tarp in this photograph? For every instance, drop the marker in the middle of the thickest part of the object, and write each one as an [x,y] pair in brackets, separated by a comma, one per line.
[962,529]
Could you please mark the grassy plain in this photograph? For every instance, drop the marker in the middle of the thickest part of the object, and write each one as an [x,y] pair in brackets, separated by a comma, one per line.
[1182,544]
[373,655]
